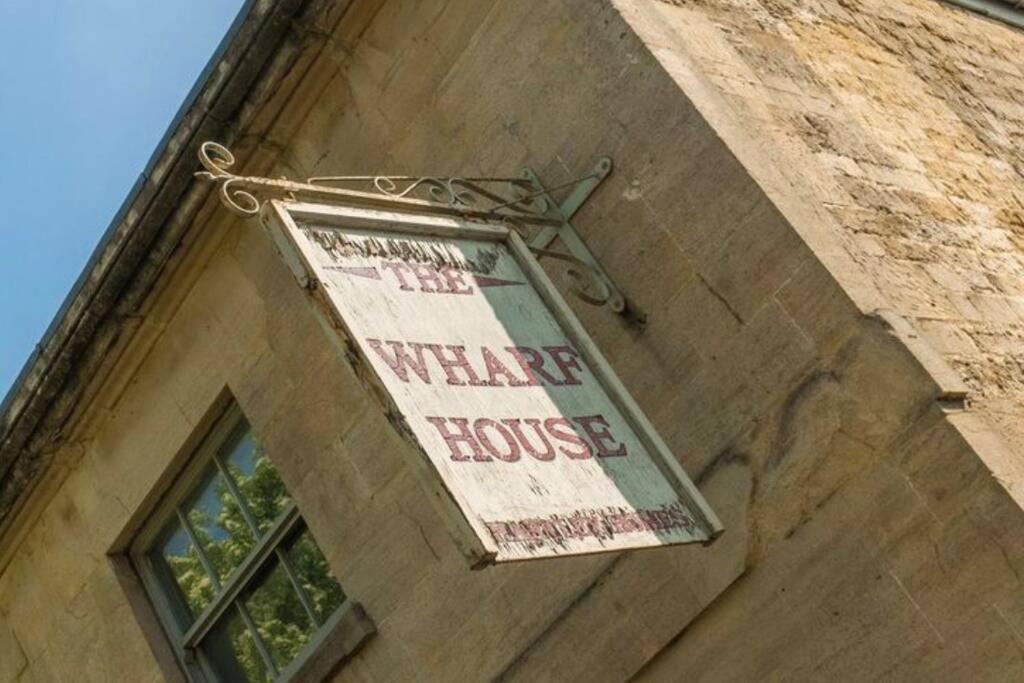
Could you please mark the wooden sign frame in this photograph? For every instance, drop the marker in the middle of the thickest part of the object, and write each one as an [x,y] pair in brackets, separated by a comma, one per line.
[283,220]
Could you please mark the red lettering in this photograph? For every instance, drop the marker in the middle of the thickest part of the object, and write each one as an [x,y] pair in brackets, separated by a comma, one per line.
[566,434]
[495,368]
[402,357]
[462,437]
[531,362]
[482,424]
[500,531]
[565,358]
[454,278]
[599,524]
[619,523]
[429,279]
[399,269]
[401,362]
[507,438]
[597,429]
[579,527]
[457,362]
[549,451]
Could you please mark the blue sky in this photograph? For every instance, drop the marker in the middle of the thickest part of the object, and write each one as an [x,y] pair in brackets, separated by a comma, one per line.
[87,90]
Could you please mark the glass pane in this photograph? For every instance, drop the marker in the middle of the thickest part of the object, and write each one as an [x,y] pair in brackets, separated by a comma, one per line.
[280,618]
[219,525]
[312,571]
[257,479]
[231,651]
[176,554]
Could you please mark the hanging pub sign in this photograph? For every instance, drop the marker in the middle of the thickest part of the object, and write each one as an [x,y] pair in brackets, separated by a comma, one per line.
[531,443]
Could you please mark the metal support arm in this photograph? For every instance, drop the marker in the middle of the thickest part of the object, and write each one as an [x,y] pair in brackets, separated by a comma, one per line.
[565,232]
[522,203]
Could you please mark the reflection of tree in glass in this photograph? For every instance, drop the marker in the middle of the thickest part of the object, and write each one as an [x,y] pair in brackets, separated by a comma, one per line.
[232,651]
[248,657]
[315,576]
[220,527]
[280,617]
[222,530]
[196,586]
[257,479]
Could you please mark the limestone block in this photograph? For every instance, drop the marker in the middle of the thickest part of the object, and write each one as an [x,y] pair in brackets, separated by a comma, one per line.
[659,361]
[749,373]
[644,600]
[760,255]
[326,487]
[814,300]
[12,657]
[681,204]
[461,20]
[986,648]
[532,596]
[807,457]
[25,587]
[375,449]
[818,596]
[644,259]
[424,619]
[39,671]
[948,338]
[882,379]
[929,174]
[380,556]
[310,421]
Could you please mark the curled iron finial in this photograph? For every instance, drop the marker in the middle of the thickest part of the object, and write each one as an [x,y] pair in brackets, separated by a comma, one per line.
[241,202]
[522,204]
[217,159]
[588,285]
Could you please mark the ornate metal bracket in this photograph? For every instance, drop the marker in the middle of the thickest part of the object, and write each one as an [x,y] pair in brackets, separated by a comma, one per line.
[521,203]
[582,188]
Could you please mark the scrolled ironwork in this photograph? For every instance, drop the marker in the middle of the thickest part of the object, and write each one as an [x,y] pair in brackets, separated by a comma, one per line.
[440,190]
[521,204]
[480,194]
[238,200]
[484,197]
[588,284]
[217,159]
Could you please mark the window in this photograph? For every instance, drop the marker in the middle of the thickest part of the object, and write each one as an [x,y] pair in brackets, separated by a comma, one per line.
[239,584]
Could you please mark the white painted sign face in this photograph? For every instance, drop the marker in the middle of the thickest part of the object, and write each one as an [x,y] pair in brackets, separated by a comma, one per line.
[532,441]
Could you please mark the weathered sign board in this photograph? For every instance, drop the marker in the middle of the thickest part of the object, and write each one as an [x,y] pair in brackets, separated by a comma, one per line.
[519,425]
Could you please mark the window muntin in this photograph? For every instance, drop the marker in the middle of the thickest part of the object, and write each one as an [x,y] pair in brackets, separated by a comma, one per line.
[242,588]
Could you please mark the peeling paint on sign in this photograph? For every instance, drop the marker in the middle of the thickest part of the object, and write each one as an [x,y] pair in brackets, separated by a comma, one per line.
[521,422]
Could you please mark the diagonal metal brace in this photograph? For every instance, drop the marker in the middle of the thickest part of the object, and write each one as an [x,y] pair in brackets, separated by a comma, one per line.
[567,233]
[526,203]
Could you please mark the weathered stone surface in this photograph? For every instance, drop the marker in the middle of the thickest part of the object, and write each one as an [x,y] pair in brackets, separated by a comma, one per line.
[796,277]
[12,658]
[905,113]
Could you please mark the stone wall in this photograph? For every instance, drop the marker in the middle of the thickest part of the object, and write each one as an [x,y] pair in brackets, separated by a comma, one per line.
[898,124]
[865,536]
[905,120]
